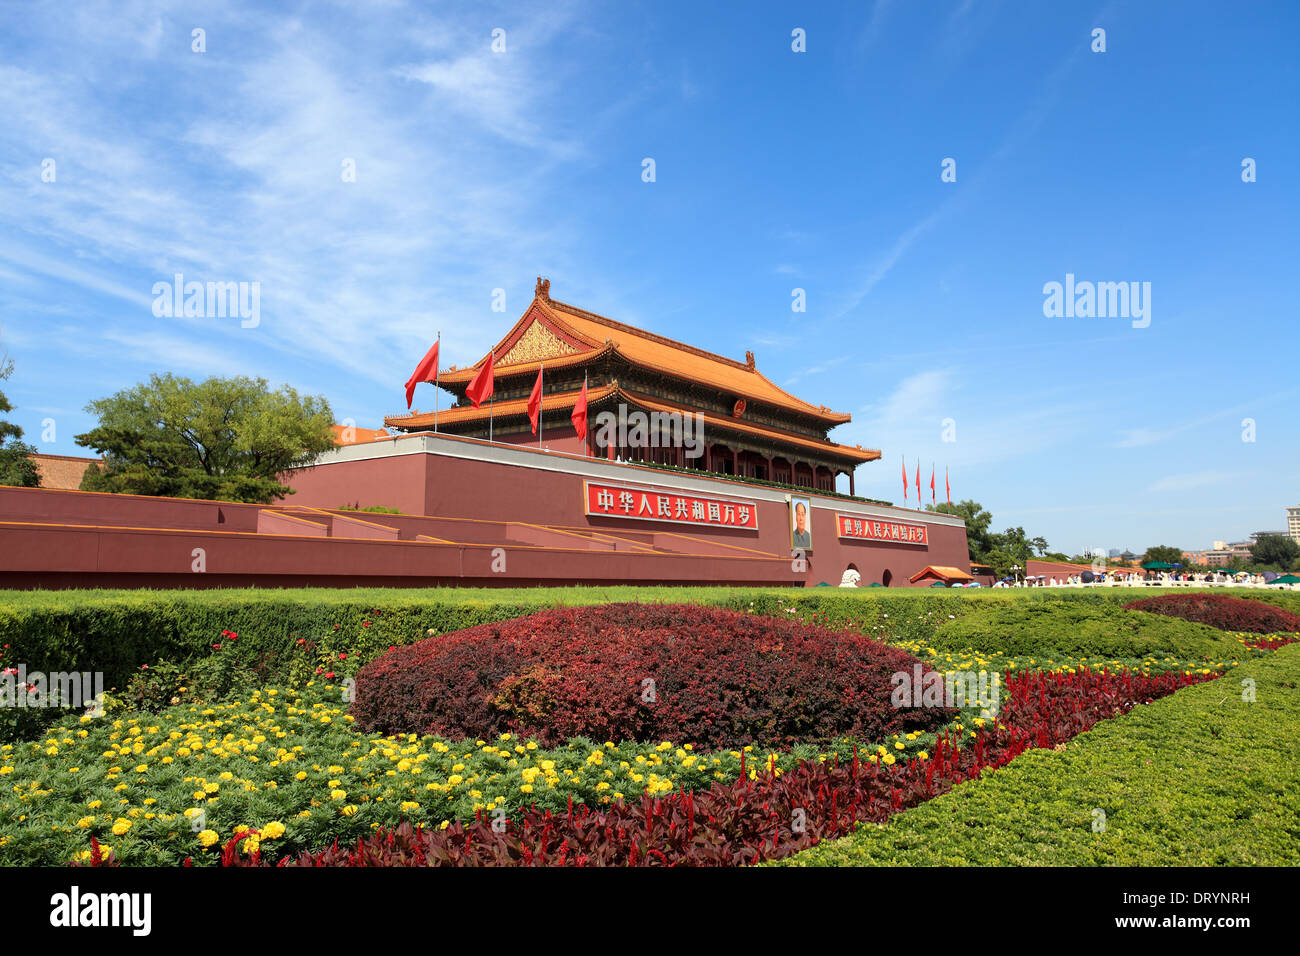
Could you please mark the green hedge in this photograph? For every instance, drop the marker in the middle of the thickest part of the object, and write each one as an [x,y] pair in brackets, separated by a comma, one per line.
[1075,628]
[116,631]
[1200,778]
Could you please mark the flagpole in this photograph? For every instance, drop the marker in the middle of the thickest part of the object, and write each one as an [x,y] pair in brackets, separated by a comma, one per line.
[493,397]
[541,375]
[436,374]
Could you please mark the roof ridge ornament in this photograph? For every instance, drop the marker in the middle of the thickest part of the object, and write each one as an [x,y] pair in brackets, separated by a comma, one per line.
[749,358]
[543,289]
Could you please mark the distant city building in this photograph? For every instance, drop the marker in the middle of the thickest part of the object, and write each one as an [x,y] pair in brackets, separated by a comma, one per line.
[62,471]
[1293,523]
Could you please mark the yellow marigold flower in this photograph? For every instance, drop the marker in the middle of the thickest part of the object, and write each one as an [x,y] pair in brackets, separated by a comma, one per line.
[338,794]
[272,830]
[86,822]
[350,809]
[300,775]
[208,837]
[121,826]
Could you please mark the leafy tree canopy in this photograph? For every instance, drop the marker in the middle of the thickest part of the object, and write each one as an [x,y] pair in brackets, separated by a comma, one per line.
[1277,550]
[977,521]
[1164,552]
[16,465]
[223,438]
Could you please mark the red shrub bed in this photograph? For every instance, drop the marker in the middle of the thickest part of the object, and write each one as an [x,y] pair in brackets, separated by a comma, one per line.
[766,818]
[705,676]
[1219,610]
[1270,643]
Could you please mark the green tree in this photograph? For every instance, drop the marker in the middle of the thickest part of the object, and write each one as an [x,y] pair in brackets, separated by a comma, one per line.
[978,540]
[1275,549]
[1014,542]
[1163,552]
[16,465]
[227,439]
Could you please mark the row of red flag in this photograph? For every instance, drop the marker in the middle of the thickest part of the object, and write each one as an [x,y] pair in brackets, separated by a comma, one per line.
[481,387]
[933,498]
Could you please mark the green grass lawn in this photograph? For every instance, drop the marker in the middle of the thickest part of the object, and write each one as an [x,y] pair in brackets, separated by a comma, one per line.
[1200,778]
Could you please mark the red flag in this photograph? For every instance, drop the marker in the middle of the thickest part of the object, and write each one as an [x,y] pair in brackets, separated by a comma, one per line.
[535,402]
[905,481]
[932,491]
[428,366]
[480,386]
[918,483]
[579,415]
[947,490]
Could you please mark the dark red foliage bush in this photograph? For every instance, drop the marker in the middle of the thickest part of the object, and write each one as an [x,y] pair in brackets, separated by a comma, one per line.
[1219,610]
[772,816]
[706,676]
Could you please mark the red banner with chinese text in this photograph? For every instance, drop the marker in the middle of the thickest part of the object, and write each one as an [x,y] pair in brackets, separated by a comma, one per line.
[880,529]
[683,507]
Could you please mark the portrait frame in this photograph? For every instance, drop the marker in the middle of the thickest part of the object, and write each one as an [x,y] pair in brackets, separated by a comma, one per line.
[797,542]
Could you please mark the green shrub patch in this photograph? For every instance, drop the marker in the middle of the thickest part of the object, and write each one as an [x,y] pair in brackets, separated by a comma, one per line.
[1207,777]
[1077,628]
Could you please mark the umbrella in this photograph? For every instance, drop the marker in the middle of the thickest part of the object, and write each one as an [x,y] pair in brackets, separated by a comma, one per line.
[875,584]
[938,584]
[1287,579]
[1159,566]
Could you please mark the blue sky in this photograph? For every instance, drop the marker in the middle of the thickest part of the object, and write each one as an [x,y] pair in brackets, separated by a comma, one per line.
[775,170]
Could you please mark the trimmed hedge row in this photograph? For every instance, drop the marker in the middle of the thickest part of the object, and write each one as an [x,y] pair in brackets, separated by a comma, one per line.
[115,632]
[1073,628]
[1202,778]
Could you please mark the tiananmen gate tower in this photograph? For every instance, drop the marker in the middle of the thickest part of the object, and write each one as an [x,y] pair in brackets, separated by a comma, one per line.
[471,496]
[755,429]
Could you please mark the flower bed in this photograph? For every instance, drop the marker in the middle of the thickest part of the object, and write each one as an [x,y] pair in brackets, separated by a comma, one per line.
[1222,612]
[765,814]
[705,676]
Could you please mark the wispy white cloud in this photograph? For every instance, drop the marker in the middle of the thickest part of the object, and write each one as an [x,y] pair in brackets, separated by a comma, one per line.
[1194,479]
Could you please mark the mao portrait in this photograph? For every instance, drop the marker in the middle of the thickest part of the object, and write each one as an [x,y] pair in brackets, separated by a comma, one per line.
[800,524]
